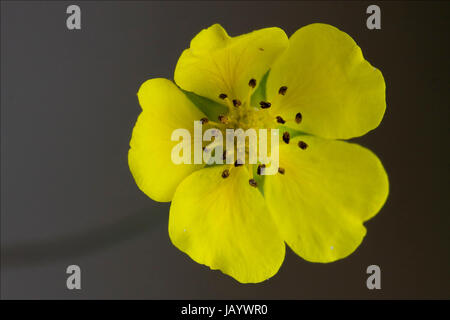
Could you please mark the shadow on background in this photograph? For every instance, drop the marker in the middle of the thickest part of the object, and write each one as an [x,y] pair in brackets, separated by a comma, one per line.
[28,254]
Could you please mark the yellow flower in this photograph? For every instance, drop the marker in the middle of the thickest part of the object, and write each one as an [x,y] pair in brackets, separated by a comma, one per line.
[318,89]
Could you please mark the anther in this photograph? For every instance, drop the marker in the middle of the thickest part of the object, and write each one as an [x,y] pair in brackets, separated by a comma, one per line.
[282,90]
[302,145]
[204,120]
[223,119]
[281,170]
[223,96]
[252,83]
[225,173]
[286,137]
[237,163]
[298,117]
[258,170]
[236,103]
[280,120]
[252,182]
[265,105]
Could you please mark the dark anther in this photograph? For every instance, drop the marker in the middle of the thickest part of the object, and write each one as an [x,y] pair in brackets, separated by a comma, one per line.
[225,173]
[223,119]
[280,120]
[252,182]
[286,137]
[282,90]
[264,104]
[252,83]
[236,103]
[302,145]
[223,96]
[298,117]
[281,170]
[204,120]
[237,163]
[258,170]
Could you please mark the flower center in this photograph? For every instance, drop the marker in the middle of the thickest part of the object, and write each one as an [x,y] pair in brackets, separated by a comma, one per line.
[245,116]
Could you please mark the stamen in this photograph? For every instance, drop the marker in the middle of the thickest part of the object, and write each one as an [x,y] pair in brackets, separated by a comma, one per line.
[223,119]
[204,120]
[252,85]
[282,90]
[208,151]
[258,170]
[280,120]
[281,170]
[302,145]
[253,183]
[228,154]
[265,104]
[238,163]
[236,103]
[225,173]
[298,117]
[286,137]
[223,96]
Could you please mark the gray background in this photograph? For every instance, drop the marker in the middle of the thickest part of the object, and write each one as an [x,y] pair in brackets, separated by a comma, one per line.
[68,105]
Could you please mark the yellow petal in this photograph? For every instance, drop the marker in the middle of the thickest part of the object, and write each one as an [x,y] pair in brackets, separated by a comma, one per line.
[165,108]
[325,194]
[224,224]
[339,94]
[216,63]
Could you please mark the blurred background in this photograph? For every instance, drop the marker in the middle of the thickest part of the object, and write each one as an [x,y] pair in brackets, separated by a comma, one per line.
[68,106]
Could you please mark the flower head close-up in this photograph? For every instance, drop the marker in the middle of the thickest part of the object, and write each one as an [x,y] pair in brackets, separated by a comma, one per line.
[297,182]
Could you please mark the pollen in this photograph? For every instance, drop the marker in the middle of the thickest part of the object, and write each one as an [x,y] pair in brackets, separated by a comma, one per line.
[282,90]
[204,120]
[238,163]
[236,103]
[225,173]
[258,170]
[281,170]
[302,145]
[252,182]
[280,120]
[298,117]
[265,104]
[223,96]
[223,119]
[286,137]
[252,83]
